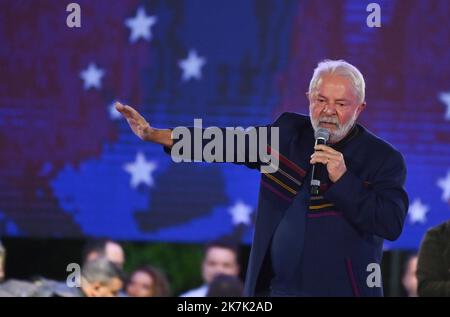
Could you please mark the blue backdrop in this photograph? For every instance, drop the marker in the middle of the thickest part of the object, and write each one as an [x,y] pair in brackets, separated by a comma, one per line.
[70,166]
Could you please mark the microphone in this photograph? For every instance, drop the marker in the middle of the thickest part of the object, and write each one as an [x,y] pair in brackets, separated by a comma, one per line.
[322,135]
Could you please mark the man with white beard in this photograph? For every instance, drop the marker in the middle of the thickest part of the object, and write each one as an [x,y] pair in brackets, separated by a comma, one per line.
[328,243]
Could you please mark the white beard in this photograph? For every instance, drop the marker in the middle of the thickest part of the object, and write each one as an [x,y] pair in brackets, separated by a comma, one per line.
[340,132]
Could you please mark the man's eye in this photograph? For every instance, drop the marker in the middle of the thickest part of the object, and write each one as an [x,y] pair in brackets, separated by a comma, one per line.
[341,104]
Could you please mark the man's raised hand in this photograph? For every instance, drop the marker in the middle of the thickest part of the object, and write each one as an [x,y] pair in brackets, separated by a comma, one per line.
[137,123]
[142,128]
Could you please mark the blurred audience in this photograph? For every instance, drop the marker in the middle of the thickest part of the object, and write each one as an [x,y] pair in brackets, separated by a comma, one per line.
[409,279]
[18,288]
[2,262]
[433,267]
[100,278]
[147,281]
[225,286]
[220,257]
[110,249]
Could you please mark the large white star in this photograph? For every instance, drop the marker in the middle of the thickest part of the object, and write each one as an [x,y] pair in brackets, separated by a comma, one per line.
[418,212]
[140,170]
[445,98]
[240,213]
[444,183]
[141,25]
[92,76]
[113,113]
[192,66]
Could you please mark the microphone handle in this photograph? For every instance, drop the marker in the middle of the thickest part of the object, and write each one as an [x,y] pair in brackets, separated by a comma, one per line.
[316,173]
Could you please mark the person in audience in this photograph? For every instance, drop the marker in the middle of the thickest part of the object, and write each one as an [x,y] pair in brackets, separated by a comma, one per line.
[220,257]
[225,286]
[409,279]
[101,278]
[18,288]
[433,266]
[2,262]
[110,249]
[98,278]
[147,281]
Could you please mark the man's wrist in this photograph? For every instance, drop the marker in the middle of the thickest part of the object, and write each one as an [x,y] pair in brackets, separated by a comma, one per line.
[161,136]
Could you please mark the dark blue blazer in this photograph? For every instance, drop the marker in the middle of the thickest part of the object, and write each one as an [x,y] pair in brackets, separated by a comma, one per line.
[345,225]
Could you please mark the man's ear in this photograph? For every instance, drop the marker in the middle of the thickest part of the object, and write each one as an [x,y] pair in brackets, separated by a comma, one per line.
[361,107]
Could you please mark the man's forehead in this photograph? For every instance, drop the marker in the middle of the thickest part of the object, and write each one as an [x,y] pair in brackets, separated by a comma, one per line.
[337,87]
[220,253]
[112,247]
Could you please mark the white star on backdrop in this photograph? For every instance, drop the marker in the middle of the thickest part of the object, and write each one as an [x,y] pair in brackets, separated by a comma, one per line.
[113,113]
[92,76]
[445,98]
[192,65]
[240,213]
[141,25]
[444,183]
[418,212]
[141,171]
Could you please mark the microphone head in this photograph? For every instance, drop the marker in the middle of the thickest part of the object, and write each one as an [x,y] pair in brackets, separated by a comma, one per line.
[322,133]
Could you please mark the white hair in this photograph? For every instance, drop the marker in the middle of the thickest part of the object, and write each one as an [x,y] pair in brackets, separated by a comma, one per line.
[340,68]
[100,270]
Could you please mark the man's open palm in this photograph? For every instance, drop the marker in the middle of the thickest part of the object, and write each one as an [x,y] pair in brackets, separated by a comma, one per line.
[137,122]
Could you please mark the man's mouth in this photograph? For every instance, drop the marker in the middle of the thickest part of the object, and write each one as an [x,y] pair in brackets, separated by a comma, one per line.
[327,124]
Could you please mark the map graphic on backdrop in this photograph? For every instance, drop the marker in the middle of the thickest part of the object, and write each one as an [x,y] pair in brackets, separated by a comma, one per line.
[70,166]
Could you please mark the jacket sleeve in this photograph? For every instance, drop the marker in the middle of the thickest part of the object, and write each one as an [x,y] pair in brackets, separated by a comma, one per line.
[230,145]
[378,208]
[432,271]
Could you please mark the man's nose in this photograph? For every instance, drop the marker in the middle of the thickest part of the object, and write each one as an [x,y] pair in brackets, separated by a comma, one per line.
[330,108]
